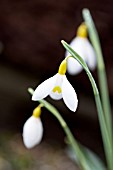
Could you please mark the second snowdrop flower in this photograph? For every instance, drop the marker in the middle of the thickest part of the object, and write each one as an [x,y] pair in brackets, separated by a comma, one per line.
[58,87]
[33,129]
[82,46]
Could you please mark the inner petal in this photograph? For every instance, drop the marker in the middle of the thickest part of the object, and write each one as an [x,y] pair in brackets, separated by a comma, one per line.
[57,89]
[56,93]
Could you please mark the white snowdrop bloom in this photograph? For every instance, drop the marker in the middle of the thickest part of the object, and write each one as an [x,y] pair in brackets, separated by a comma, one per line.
[58,87]
[82,46]
[33,130]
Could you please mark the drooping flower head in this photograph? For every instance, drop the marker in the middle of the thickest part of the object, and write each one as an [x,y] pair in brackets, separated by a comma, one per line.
[58,87]
[33,129]
[82,46]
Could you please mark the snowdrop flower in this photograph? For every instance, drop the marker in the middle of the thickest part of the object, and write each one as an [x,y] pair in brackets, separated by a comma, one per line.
[82,46]
[58,87]
[33,129]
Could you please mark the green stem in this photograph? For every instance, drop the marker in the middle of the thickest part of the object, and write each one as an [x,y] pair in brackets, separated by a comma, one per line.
[101,70]
[103,126]
[80,156]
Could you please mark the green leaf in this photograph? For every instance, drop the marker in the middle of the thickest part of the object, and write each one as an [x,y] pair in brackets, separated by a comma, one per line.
[74,54]
[104,130]
[93,161]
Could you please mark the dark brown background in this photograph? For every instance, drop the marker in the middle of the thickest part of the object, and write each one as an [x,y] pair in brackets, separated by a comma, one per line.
[31,31]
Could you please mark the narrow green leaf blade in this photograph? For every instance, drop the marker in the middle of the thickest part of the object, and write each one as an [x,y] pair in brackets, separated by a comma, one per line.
[74,54]
[93,161]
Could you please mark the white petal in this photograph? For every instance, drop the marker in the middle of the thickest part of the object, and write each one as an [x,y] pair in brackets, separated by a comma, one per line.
[44,88]
[56,95]
[69,95]
[77,44]
[90,55]
[32,132]
[73,66]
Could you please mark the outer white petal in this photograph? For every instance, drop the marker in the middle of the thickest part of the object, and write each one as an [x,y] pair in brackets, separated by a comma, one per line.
[56,95]
[44,88]
[73,66]
[90,55]
[69,95]
[32,132]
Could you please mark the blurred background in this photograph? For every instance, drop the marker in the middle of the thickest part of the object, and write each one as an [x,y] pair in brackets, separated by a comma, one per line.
[30,35]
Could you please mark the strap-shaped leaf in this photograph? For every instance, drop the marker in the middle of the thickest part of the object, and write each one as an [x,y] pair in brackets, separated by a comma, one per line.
[73,53]
[93,161]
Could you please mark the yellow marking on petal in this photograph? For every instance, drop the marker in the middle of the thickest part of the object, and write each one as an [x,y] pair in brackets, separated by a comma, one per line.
[62,67]
[37,112]
[58,89]
[82,30]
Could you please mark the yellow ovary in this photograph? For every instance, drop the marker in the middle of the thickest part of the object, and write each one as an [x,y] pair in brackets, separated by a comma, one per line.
[58,89]
[62,68]
[37,112]
[82,31]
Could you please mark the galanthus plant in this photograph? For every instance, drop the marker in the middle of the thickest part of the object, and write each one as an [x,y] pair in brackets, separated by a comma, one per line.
[80,54]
